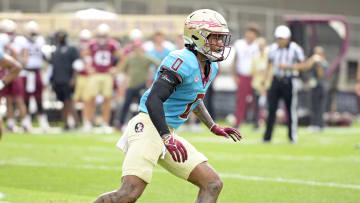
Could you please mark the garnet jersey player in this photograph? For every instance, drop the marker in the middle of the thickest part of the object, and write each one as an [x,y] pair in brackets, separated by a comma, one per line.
[13,68]
[104,52]
[179,88]
[14,91]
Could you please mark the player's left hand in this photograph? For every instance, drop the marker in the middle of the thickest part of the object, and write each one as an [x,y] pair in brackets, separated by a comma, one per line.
[226,132]
[91,70]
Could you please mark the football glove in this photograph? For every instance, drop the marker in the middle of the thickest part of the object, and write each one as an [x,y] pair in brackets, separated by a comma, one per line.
[226,132]
[175,148]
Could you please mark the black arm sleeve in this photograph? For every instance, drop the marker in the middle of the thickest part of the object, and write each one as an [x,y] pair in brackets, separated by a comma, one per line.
[162,88]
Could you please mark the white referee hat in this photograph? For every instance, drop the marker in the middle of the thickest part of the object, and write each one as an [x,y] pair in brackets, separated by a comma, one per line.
[282,31]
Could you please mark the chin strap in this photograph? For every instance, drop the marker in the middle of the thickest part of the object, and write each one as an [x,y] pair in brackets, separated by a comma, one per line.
[207,68]
[191,47]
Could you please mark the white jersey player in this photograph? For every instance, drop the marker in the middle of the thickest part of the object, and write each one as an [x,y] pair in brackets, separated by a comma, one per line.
[14,91]
[33,62]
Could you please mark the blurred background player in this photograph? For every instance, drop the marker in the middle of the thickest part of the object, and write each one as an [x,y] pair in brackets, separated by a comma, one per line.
[63,79]
[13,69]
[104,51]
[357,86]
[82,78]
[159,49]
[137,70]
[7,36]
[318,68]
[259,83]
[14,91]
[33,58]
[286,59]
[245,50]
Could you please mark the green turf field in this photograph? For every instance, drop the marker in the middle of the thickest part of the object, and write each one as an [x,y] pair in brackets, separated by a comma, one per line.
[77,167]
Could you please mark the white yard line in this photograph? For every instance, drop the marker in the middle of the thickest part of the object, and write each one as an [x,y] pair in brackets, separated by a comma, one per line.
[223,175]
[222,156]
[295,181]
[217,156]
[62,147]
[340,130]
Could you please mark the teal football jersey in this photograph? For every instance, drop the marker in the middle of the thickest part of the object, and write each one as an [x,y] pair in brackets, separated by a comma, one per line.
[188,94]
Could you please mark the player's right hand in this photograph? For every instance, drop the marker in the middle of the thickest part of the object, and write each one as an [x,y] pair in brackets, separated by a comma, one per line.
[175,148]
[91,70]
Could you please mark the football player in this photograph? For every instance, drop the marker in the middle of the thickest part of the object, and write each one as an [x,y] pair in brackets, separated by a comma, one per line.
[13,69]
[137,73]
[357,86]
[14,91]
[81,67]
[104,52]
[178,89]
[33,58]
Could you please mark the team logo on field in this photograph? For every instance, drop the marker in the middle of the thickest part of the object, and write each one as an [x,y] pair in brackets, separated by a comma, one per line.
[139,127]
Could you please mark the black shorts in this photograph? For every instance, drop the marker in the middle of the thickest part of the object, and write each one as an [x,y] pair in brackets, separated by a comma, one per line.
[63,91]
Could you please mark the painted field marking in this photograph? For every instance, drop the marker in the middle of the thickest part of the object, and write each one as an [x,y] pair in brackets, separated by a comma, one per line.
[295,181]
[223,175]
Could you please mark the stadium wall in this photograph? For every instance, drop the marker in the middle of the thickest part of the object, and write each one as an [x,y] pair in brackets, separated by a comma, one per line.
[121,25]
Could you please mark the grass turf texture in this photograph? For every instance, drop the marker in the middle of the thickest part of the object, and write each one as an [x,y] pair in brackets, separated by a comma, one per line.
[77,167]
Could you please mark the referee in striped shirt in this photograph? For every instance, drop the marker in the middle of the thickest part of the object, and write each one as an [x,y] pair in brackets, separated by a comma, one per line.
[286,60]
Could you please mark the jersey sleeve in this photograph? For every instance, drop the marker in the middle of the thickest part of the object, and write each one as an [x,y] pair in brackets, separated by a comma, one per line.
[299,54]
[152,61]
[115,45]
[271,54]
[91,44]
[176,64]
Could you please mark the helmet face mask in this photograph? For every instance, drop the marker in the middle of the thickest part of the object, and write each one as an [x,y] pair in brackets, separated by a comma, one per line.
[217,45]
[207,32]
[103,31]
[8,27]
[102,40]
[32,29]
